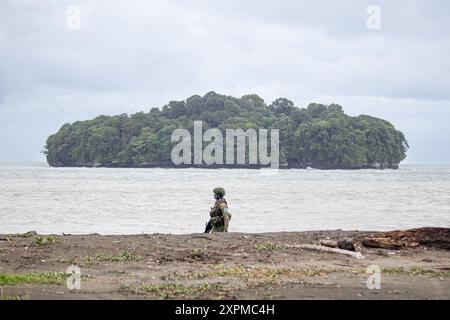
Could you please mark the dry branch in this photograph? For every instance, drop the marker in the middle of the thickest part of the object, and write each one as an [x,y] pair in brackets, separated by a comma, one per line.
[357,255]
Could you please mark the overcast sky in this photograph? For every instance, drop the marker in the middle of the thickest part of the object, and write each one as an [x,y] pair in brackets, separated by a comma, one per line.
[129,56]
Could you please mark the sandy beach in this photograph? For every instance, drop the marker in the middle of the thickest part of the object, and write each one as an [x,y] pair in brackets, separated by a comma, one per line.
[215,266]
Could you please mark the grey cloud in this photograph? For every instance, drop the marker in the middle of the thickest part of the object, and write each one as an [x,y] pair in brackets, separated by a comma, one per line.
[130,56]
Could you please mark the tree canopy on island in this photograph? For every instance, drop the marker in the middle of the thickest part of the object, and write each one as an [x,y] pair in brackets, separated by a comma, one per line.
[318,136]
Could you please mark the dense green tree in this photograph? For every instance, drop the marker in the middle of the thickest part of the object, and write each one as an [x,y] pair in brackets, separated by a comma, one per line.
[144,148]
[282,105]
[318,136]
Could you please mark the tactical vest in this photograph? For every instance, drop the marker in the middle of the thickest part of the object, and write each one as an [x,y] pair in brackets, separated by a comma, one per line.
[215,210]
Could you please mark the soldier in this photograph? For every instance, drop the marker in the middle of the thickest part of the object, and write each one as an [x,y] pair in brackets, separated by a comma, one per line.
[220,216]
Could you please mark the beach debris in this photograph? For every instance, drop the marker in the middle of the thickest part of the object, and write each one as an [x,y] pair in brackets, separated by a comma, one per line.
[328,243]
[344,244]
[399,239]
[320,248]
[382,243]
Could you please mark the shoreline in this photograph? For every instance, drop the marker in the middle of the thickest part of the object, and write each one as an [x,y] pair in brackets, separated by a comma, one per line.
[304,166]
[215,266]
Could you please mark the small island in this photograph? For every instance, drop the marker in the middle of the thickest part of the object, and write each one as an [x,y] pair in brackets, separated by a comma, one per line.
[318,136]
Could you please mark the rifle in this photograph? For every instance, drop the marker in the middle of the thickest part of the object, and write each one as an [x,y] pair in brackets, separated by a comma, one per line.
[208,226]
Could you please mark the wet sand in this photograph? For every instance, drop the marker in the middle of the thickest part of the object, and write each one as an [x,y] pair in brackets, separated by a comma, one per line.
[214,266]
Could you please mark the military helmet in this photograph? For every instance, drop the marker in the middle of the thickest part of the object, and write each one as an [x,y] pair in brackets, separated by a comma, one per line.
[219,190]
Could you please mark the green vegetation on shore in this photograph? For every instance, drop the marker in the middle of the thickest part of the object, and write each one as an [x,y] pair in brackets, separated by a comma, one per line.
[33,278]
[44,240]
[124,256]
[318,136]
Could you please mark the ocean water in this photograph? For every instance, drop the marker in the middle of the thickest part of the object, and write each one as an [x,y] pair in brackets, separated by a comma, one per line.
[131,201]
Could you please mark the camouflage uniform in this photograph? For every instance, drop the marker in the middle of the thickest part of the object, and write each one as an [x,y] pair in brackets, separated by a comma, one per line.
[220,216]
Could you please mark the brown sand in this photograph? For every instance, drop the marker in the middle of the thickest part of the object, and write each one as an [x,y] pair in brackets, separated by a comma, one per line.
[218,266]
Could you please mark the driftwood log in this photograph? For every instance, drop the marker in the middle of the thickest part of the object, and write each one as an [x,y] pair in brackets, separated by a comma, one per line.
[328,243]
[344,244]
[356,255]
[395,240]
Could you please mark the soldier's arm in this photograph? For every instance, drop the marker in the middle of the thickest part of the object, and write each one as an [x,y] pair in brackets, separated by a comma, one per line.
[212,212]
